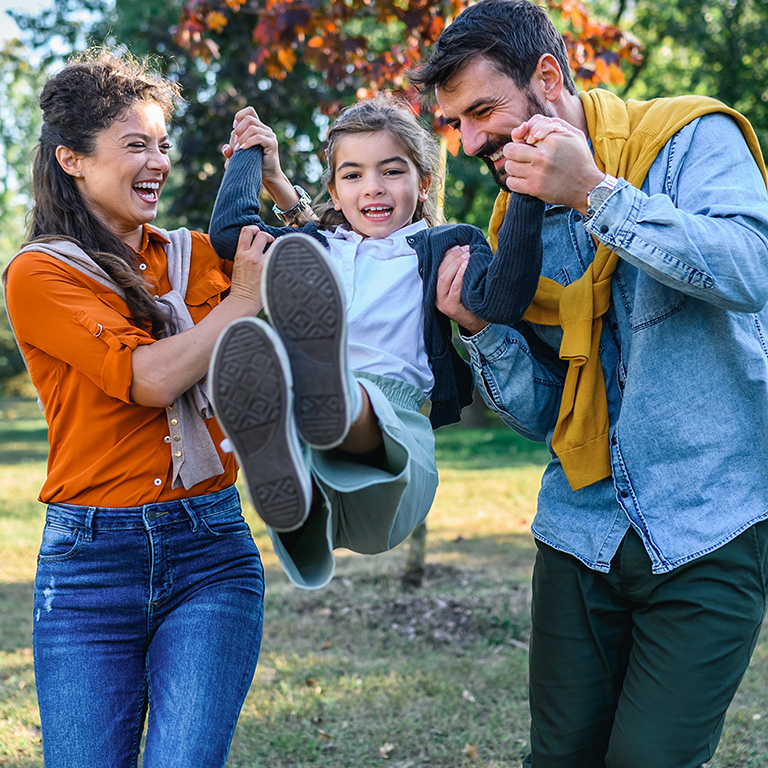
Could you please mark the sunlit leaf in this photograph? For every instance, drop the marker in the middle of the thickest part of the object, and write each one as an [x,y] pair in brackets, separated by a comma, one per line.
[216,21]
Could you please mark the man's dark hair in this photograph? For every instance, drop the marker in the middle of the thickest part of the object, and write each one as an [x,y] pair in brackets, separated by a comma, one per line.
[513,34]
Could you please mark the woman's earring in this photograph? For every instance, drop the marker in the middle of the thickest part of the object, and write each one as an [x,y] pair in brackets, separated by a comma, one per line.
[79,175]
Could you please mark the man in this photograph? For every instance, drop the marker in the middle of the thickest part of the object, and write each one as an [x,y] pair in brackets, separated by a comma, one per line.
[643,363]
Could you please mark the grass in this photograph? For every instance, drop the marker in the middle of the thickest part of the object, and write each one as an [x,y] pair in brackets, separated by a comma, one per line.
[363,673]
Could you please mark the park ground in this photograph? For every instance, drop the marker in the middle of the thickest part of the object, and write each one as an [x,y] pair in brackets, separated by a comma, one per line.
[364,672]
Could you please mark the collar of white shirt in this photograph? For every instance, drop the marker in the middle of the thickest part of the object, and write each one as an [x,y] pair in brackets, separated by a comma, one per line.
[385,247]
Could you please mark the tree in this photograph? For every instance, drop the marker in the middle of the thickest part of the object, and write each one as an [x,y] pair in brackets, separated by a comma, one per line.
[357,47]
[716,48]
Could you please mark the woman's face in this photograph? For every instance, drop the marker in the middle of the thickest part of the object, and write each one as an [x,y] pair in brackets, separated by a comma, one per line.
[122,179]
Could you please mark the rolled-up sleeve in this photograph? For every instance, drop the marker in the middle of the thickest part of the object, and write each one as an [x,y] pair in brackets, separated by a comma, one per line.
[60,314]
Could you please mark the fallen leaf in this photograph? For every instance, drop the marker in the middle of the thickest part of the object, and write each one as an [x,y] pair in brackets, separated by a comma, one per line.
[470,752]
[385,749]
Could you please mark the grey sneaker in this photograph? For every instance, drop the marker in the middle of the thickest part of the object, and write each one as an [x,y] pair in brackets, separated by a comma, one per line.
[304,301]
[249,383]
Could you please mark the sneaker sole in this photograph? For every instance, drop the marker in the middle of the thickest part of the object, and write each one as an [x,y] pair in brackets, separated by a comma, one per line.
[249,381]
[305,303]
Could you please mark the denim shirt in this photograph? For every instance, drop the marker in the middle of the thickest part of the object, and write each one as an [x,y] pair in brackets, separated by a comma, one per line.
[684,350]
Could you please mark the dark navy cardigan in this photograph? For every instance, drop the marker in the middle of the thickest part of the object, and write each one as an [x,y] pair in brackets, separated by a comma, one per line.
[497,290]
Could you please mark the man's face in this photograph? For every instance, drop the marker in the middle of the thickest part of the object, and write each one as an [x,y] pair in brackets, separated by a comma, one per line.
[484,105]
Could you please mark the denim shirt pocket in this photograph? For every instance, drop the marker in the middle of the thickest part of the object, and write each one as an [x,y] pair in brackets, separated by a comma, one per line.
[646,301]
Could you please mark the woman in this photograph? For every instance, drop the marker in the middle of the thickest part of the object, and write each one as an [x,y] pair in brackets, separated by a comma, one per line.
[149,589]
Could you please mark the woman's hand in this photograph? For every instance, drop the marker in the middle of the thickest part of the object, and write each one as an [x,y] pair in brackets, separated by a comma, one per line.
[450,278]
[170,366]
[247,267]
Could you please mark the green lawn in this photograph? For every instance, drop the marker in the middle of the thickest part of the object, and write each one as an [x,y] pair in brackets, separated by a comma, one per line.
[363,673]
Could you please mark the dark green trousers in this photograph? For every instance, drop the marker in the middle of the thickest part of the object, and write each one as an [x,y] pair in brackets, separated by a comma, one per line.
[632,669]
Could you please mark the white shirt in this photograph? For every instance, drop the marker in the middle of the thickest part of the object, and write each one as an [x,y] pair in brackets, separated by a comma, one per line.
[384,294]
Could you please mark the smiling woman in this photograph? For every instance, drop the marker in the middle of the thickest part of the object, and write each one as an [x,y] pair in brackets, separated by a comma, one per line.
[147,575]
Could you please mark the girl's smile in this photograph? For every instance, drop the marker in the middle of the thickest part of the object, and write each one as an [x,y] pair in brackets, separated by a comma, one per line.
[375,184]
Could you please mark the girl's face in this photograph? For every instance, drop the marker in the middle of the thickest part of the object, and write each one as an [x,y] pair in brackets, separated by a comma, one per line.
[375,183]
[122,179]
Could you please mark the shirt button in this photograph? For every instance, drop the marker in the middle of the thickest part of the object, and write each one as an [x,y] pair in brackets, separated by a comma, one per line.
[577,217]
[178,454]
[624,493]
[158,481]
[177,438]
[167,438]
[604,228]
[174,422]
[142,267]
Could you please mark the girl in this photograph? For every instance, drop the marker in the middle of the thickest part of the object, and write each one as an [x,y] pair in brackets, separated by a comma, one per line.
[355,334]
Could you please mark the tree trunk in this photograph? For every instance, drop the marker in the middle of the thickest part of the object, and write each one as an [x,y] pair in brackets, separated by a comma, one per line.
[417,553]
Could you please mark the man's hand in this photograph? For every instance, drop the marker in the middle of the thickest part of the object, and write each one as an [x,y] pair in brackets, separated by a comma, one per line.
[550,159]
[450,278]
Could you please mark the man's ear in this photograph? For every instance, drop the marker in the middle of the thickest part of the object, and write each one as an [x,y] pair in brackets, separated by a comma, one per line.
[548,77]
[69,160]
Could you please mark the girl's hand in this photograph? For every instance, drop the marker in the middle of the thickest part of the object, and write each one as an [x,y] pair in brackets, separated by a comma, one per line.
[450,278]
[550,159]
[248,265]
[249,131]
[537,128]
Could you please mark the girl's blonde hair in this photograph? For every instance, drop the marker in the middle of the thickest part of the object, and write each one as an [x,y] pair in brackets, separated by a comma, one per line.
[385,112]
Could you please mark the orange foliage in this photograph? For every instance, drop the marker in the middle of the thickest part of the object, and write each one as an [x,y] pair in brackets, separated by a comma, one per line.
[319,33]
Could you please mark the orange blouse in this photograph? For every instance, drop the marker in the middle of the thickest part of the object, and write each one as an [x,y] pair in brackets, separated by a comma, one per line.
[105,451]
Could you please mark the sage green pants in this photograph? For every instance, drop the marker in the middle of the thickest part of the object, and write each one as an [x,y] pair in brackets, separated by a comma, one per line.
[632,669]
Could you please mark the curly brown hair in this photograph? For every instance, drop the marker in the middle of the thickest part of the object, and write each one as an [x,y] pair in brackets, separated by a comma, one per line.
[94,89]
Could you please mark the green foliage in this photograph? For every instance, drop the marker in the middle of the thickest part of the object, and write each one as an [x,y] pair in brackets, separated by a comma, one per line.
[715,48]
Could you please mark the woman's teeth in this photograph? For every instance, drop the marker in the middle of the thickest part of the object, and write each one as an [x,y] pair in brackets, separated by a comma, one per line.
[147,189]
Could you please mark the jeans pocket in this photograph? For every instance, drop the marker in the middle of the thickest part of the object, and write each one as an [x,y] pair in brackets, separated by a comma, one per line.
[60,542]
[227,523]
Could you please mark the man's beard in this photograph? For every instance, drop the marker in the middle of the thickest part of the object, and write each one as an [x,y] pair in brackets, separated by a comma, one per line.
[535,107]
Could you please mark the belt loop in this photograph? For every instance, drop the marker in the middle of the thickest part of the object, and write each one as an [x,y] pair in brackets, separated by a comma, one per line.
[191,512]
[88,525]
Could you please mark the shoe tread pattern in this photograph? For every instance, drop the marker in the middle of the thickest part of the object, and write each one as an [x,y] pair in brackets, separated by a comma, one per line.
[307,309]
[250,393]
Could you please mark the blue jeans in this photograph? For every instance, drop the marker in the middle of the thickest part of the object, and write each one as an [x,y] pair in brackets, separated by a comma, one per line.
[155,607]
